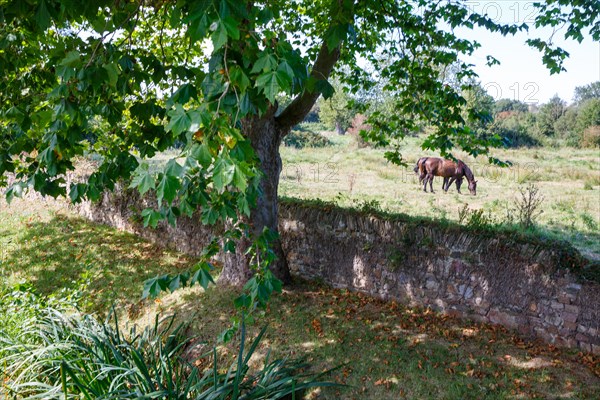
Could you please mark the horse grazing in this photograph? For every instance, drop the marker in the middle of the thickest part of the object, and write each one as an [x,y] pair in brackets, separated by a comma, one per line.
[421,170]
[430,167]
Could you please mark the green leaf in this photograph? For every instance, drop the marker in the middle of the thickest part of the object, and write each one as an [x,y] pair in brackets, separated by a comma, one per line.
[182,95]
[203,276]
[243,301]
[153,286]
[14,191]
[229,246]
[219,36]
[173,168]
[72,59]
[245,104]
[223,173]
[180,120]
[283,80]
[209,215]
[227,335]
[113,73]
[142,179]
[93,193]
[265,63]
[264,16]
[178,281]
[232,27]
[240,180]
[268,84]
[151,217]
[285,68]
[239,78]
[15,114]
[167,188]
[201,153]
[325,88]
[243,205]
[336,35]
[77,192]
[42,16]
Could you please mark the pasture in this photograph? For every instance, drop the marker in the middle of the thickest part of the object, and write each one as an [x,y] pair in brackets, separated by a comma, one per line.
[568,180]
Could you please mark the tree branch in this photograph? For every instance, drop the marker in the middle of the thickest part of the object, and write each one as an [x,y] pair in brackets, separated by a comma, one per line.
[300,107]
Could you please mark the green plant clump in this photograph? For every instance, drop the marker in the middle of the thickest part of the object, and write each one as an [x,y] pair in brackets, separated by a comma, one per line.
[301,139]
[75,356]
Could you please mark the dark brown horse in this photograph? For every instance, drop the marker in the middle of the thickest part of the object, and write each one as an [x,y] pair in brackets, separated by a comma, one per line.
[421,170]
[429,167]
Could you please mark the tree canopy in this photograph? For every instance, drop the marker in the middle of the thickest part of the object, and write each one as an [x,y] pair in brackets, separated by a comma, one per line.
[587,92]
[126,79]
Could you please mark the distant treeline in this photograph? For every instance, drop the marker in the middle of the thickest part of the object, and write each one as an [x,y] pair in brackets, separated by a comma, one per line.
[519,124]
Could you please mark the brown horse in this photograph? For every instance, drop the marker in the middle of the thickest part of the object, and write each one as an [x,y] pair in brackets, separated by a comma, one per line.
[421,170]
[451,171]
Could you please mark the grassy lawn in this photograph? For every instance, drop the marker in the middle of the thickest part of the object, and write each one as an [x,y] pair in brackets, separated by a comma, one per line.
[384,350]
[568,179]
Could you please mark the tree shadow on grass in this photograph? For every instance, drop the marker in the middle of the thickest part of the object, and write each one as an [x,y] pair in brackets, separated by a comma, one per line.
[107,266]
[390,351]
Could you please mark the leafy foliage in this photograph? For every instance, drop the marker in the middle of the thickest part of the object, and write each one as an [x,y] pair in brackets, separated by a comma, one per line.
[587,92]
[128,79]
[305,138]
[139,70]
[516,128]
[75,356]
[337,111]
[549,114]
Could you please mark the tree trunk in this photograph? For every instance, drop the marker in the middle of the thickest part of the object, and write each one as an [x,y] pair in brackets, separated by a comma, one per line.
[265,136]
[338,128]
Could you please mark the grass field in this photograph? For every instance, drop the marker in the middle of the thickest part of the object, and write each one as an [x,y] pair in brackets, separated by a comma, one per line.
[568,179]
[384,350]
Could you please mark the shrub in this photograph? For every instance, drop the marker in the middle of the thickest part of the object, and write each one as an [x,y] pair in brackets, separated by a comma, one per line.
[75,356]
[301,139]
[515,129]
[476,219]
[528,205]
[591,137]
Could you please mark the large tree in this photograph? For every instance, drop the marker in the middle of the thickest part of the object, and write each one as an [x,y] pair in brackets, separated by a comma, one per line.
[549,114]
[590,91]
[126,79]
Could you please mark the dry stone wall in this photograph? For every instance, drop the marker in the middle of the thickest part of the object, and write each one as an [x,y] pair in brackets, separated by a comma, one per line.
[490,278]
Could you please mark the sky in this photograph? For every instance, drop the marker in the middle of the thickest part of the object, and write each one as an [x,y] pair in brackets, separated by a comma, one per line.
[521,74]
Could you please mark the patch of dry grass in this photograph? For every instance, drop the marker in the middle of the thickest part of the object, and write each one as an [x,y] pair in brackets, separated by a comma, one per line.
[563,175]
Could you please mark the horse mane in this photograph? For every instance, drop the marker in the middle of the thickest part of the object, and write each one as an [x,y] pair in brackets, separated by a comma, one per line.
[468,172]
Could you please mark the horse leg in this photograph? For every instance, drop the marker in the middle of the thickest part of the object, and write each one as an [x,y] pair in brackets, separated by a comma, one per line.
[458,183]
[444,187]
[449,183]
[425,183]
[431,184]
